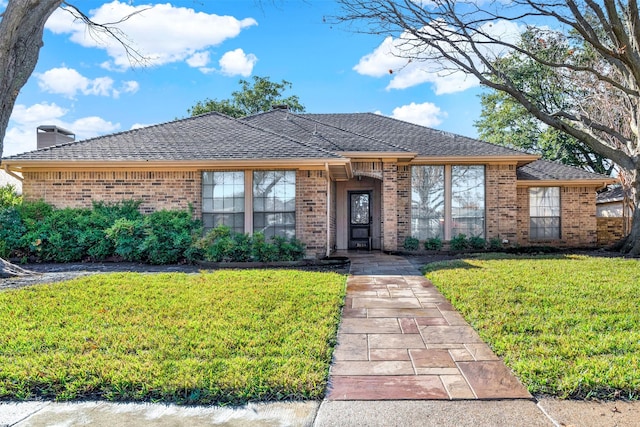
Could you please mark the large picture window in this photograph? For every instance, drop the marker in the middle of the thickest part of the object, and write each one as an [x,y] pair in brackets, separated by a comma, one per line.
[427,202]
[223,200]
[467,200]
[447,200]
[274,203]
[544,213]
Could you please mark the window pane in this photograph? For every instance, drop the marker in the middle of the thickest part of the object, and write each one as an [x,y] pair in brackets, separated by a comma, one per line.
[274,202]
[427,202]
[467,200]
[223,198]
[544,213]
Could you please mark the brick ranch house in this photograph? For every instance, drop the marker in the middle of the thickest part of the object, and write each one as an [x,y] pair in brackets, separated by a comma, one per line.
[335,181]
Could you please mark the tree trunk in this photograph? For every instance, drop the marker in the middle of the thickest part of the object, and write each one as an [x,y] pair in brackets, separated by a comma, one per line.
[11,270]
[21,30]
[632,243]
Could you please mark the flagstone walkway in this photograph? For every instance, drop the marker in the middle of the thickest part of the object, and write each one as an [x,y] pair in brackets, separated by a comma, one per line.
[401,339]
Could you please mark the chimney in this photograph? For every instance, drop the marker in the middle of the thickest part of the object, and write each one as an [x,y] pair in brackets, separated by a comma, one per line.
[50,135]
[280,107]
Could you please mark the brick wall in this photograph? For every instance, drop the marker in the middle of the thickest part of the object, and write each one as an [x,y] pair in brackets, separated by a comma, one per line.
[609,230]
[156,189]
[311,211]
[404,203]
[501,201]
[578,225]
[389,206]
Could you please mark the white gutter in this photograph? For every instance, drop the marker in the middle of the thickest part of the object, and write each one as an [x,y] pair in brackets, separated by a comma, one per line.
[326,167]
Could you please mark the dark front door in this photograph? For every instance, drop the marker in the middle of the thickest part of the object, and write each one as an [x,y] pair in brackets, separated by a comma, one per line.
[359,220]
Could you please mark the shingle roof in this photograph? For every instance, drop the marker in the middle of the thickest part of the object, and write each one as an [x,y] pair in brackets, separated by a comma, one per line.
[543,170]
[211,136]
[425,141]
[611,194]
[304,127]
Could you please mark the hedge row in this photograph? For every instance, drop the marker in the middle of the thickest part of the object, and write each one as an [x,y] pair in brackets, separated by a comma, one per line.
[36,231]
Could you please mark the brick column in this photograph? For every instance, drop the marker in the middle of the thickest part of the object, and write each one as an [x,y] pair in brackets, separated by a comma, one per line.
[390,206]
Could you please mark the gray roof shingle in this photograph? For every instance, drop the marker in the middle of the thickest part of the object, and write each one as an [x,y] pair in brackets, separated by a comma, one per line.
[425,141]
[211,136]
[544,170]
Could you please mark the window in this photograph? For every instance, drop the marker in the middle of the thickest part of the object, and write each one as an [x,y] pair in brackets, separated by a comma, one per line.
[447,200]
[223,200]
[274,203]
[467,200]
[427,202]
[544,213]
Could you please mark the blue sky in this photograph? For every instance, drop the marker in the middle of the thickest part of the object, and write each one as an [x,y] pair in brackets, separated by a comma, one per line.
[201,49]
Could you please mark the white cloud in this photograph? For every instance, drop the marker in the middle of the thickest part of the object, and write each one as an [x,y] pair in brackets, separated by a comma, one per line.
[236,62]
[390,58]
[162,33]
[69,83]
[425,114]
[198,59]
[138,126]
[21,133]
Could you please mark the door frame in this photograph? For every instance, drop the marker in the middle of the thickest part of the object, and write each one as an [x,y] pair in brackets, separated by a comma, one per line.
[360,241]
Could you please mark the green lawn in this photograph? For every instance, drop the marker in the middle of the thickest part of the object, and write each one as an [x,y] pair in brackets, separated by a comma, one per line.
[567,326]
[223,337]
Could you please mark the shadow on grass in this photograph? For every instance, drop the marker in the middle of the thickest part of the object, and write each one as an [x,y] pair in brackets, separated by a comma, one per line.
[461,262]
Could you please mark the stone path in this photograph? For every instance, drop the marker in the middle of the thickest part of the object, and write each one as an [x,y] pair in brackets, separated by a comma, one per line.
[401,339]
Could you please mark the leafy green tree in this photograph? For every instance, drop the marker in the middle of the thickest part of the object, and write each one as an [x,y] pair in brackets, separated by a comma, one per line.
[253,97]
[504,121]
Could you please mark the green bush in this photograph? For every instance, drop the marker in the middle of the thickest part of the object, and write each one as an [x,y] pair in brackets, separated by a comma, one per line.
[8,197]
[223,245]
[168,236]
[433,244]
[411,244]
[127,236]
[11,231]
[495,244]
[477,242]
[459,243]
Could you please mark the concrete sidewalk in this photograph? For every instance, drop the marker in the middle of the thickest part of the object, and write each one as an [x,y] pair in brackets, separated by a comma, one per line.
[405,357]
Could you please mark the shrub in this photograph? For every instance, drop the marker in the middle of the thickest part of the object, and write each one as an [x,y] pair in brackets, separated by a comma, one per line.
[477,242]
[58,237]
[495,244]
[11,231]
[8,197]
[262,250]
[433,244]
[459,242]
[168,236]
[127,236]
[411,244]
[288,249]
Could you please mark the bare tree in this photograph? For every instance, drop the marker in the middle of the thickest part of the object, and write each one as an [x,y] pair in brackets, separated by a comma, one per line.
[468,36]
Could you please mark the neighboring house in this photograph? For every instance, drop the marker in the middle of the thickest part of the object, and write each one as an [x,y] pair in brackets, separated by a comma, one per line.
[613,214]
[335,181]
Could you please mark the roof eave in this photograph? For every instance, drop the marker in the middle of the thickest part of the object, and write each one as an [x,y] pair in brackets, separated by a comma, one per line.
[599,183]
[519,160]
[20,165]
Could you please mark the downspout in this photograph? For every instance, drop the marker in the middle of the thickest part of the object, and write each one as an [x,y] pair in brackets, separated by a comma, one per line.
[326,167]
[13,174]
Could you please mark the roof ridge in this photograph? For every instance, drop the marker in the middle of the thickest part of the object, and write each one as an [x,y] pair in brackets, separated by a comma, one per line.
[351,131]
[297,141]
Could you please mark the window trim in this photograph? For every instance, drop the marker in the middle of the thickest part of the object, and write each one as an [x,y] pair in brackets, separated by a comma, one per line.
[448,197]
[557,236]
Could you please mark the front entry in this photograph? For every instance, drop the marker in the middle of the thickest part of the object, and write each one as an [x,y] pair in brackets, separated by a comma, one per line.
[360,220]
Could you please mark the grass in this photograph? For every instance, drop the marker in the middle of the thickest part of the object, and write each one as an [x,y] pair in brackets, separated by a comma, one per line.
[567,326]
[223,337]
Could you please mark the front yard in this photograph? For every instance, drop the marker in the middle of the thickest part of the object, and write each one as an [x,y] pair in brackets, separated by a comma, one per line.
[567,326]
[223,337]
